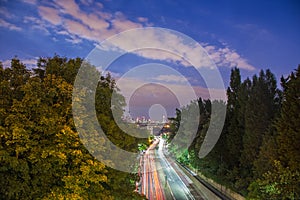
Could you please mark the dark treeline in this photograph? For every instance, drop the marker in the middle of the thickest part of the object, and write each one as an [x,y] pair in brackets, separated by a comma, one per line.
[41,154]
[257,154]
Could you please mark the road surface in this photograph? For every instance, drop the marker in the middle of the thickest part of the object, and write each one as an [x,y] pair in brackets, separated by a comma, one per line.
[178,188]
[161,178]
[151,185]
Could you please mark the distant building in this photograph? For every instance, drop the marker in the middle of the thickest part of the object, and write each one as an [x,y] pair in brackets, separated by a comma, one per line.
[164,119]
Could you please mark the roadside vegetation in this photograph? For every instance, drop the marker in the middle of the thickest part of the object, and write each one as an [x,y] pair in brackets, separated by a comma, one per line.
[257,154]
[41,154]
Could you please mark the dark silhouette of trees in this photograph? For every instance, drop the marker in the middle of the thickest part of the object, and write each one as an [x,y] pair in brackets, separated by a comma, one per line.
[257,154]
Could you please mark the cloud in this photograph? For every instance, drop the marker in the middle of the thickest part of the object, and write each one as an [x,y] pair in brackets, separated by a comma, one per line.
[210,93]
[9,26]
[69,19]
[77,28]
[74,40]
[92,21]
[120,23]
[142,19]
[184,93]
[161,44]
[171,78]
[254,31]
[128,86]
[172,47]
[86,2]
[33,2]
[50,14]
[226,57]
[94,26]
[62,32]
[38,24]
[4,12]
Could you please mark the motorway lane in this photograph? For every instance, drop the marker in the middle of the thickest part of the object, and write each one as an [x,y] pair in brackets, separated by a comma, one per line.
[151,185]
[163,179]
[178,189]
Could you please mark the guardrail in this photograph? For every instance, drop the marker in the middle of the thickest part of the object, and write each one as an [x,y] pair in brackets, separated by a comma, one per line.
[203,182]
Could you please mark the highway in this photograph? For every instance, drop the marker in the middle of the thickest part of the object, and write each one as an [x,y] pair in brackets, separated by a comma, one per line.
[161,178]
[151,185]
[178,188]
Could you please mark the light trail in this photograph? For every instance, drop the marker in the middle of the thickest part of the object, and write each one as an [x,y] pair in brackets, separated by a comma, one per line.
[151,186]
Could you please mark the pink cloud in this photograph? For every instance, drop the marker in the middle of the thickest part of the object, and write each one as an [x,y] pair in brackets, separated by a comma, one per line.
[98,26]
[142,19]
[33,2]
[121,24]
[5,13]
[91,20]
[91,26]
[50,14]
[78,28]
[9,26]
[171,78]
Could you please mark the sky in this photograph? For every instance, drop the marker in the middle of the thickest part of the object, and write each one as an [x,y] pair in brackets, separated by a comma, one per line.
[250,35]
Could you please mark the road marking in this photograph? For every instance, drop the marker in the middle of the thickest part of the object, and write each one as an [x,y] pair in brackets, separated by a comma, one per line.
[184,187]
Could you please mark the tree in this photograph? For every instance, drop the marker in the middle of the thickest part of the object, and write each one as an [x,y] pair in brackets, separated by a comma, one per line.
[280,174]
[41,154]
[58,66]
[235,128]
[288,124]
[260,112]
[175,124]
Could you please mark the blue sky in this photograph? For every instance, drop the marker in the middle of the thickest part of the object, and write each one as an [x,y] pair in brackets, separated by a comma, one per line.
[251,35]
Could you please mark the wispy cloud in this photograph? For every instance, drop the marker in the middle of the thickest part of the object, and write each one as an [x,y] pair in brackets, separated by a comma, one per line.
[9,26]
[91,21]
[38,24]
[5,13]
[74,40]
[50,14]
[87,2]
[68,18]
[183,93]
[161,44]
[226,57]
[180,50]
[170,78]
[254,31]
[33,2]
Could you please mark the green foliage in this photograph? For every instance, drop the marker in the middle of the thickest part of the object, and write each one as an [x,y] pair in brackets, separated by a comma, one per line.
[257,153]
[259,114]
[234,126]
[267,154]
[142,147]
[288,123]
[41,154]
[280,178]
[279,183]
[174,126]
[184,157]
